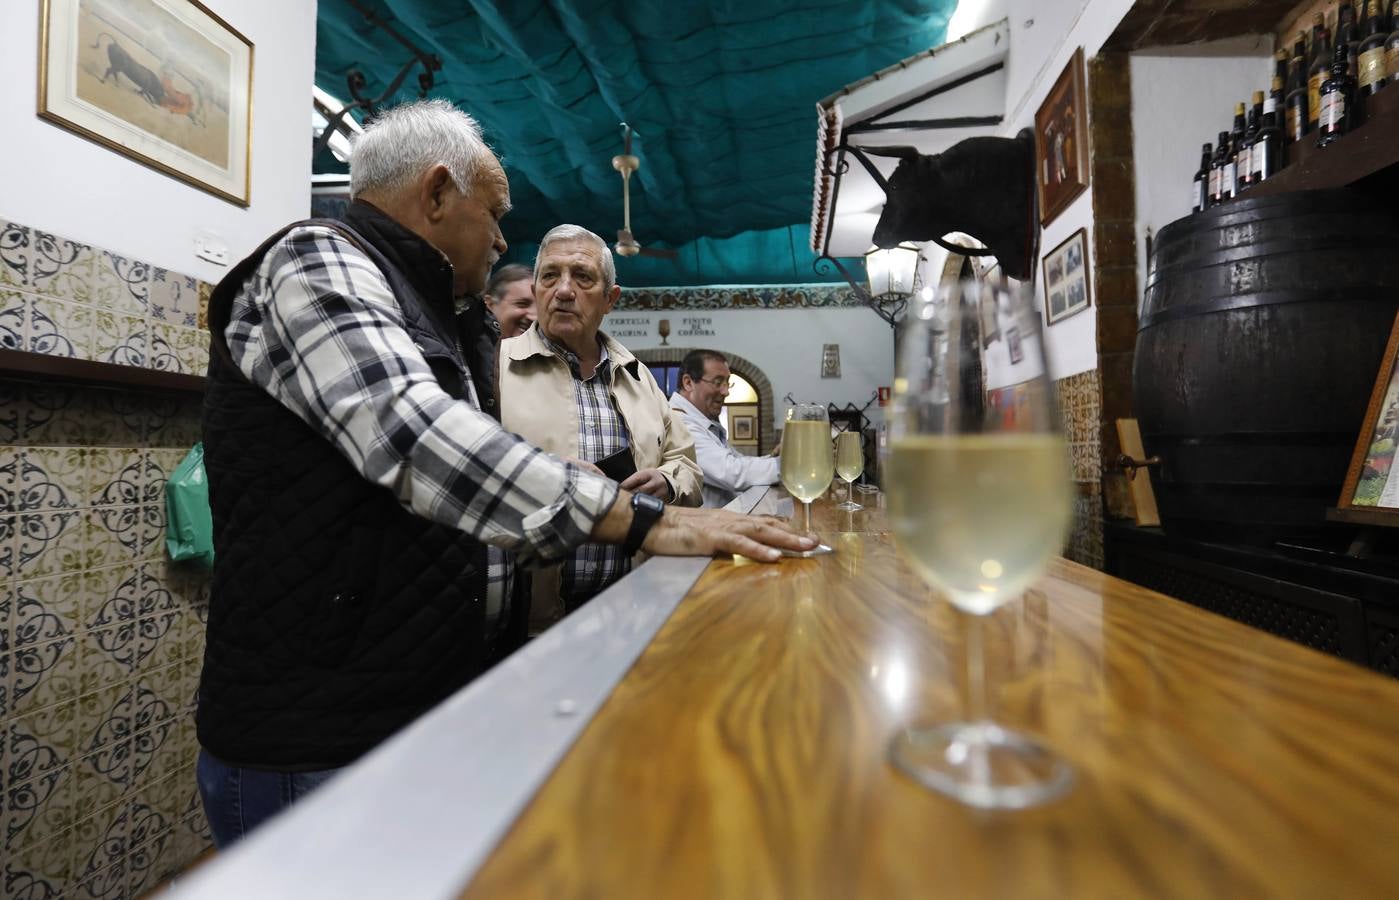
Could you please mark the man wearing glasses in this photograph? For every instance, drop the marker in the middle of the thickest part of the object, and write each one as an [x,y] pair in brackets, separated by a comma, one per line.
[704,386]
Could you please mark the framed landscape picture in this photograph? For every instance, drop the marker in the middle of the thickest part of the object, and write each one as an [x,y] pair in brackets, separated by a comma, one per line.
[1067,289]
[1371,482]
[165,82]
[1061,141]
[743,428]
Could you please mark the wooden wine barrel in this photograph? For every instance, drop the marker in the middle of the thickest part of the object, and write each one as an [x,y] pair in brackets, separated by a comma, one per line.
[1258,343]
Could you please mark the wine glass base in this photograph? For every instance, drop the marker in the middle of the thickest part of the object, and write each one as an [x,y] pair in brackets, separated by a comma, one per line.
[850,505]
[981,764]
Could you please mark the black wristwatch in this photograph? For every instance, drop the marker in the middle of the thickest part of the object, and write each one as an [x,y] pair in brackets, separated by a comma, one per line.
[645,512]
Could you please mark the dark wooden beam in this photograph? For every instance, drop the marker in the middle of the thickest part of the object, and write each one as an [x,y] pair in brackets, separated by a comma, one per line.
[1165,23]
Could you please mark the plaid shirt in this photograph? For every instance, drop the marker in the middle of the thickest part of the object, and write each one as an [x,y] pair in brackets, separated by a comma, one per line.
[318,328]
[601,432]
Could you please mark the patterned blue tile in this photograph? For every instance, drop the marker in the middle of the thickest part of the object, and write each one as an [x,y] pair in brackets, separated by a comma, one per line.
[43,675]
[15,250]
[9,524]
[14,320]
[122,285]
[59,328]
[99,848]
[41,742]
[37,811]
[115,476]
[174,298]
[61,268]
[150,859]
[48,543]
[5,688]
[47,609]
[9,478]
[52,415]
[101,779]
[37,871]
[115,418]
[52,478]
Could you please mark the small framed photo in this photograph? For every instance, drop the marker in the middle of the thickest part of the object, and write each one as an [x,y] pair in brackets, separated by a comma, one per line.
[165,82]
[1067,288]
[1013,344]
[1061,141]
[1371,483]
[743,428]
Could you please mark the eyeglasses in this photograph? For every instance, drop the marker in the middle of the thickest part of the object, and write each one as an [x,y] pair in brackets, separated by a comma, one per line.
[718,382]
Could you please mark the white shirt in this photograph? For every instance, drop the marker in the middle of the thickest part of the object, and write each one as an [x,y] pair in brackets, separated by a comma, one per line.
[726,471]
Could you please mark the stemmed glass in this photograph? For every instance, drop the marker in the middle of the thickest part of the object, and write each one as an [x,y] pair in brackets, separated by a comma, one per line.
[979,504]
[806,454]
[850,462]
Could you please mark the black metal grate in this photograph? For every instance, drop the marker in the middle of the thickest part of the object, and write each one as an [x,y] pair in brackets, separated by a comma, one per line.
[1382,629]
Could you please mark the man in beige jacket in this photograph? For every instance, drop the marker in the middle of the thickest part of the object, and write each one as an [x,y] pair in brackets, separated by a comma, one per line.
[577,393]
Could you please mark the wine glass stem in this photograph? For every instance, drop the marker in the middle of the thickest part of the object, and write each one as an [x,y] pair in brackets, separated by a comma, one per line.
[806,504]
[976,670]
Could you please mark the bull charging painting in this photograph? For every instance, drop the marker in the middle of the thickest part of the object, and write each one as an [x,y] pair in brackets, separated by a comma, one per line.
[165,82]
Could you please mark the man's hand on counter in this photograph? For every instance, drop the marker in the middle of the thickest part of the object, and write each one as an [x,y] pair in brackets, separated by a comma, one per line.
[704,532]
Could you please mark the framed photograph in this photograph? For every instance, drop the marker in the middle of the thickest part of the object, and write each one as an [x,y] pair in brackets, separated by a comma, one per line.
[743,428]
[1013,344]
[165,82]
[1061,141]
[830,360]
[1067,288]
[1371,483]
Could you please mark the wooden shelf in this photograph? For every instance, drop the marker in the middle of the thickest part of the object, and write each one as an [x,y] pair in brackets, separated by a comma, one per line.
[20,362]
[1353,516]
[1368,149]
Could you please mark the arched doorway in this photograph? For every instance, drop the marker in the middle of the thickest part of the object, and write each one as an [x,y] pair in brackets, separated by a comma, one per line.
[739,366]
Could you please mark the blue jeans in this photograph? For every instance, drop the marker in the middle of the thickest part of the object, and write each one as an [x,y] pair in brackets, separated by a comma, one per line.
[237,800]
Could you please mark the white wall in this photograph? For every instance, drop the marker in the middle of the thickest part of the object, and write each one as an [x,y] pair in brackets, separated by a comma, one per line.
[1181,98]
[57,181]
[785,344]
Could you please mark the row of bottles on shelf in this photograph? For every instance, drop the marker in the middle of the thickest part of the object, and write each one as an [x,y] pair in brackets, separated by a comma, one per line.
[1319,93]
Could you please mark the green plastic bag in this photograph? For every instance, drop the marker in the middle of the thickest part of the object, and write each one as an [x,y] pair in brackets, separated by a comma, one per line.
[189,533]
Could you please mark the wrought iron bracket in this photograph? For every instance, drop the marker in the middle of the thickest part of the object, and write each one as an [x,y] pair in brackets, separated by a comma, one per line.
[356,81]
[888,310]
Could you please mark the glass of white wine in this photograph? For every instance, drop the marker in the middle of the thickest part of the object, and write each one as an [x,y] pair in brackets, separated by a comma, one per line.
[850,462]
[806,454]
[979,504]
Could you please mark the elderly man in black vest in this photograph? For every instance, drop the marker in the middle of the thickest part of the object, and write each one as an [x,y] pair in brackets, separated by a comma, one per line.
[368,508]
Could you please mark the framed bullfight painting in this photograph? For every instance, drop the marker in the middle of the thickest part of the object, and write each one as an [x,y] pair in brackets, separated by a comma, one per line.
[165,82]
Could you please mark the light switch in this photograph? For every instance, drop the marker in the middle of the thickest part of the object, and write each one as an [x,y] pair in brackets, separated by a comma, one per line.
[211,248]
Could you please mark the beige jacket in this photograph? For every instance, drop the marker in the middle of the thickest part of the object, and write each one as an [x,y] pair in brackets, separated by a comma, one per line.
[537,403]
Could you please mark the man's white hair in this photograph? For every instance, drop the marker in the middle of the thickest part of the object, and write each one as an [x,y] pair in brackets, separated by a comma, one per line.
[579,233]
[405,141]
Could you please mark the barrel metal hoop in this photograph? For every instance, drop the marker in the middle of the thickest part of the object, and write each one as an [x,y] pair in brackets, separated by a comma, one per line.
[1234,438]
[1251,301]
[1246,252]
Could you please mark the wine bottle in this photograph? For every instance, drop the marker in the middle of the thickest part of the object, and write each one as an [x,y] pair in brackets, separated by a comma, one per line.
[1348,33]
[1266,156]
[1337,98]
[1296,126]
[1372,70]
[1231,163]
[1255,115]
[1221,153]
[1204,181]
[1318,68]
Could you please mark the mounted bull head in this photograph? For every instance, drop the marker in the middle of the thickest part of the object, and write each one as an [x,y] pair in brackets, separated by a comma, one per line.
[982,186]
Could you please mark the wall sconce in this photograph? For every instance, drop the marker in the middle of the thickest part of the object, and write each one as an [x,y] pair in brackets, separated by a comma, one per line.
[891,272]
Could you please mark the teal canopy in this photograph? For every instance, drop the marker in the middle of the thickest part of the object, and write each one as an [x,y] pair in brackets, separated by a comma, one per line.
[721,96]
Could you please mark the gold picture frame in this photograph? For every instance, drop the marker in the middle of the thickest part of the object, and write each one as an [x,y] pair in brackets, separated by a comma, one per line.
[1372,485]
[165,82]
[1061,141]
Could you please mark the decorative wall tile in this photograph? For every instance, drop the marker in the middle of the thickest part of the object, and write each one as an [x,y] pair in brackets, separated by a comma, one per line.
[38,811]
[119,338]
[14,320]
[206,290]
[101,779]
[193,350]
[59,328]
[99,843]
[41,742]
[111,596]
[113,535]
[9,478]
[162,348]
[9,524]
[159,463]
[52,478]
[174,298]
[7,605]
[122,285]
[61,268]
[51,415]
[47,609]
[48,543]
[15,241]
[104,718]
[44,674]
[775,297]
[38,871]
[115,476]
[150,861]
[106,657]
[116,418]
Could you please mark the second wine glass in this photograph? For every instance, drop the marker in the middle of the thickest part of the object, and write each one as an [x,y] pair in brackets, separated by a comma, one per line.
[850,462]
[806,454]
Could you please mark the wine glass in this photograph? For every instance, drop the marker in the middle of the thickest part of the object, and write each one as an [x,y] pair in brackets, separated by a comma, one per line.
[979,504]
[850,462]
[806,454]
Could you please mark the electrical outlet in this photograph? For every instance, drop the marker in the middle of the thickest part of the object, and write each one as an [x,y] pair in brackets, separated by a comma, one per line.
[211,248]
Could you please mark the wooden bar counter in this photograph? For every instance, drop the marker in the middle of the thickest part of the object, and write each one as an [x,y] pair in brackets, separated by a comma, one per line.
[745,753]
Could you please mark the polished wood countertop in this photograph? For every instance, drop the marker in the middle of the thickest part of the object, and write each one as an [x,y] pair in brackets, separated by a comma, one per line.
[745,752]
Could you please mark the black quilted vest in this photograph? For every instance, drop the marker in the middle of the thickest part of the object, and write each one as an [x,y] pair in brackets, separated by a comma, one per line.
[336,617]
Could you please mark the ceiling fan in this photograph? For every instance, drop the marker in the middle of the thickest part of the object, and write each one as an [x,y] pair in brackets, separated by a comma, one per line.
[626,163]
